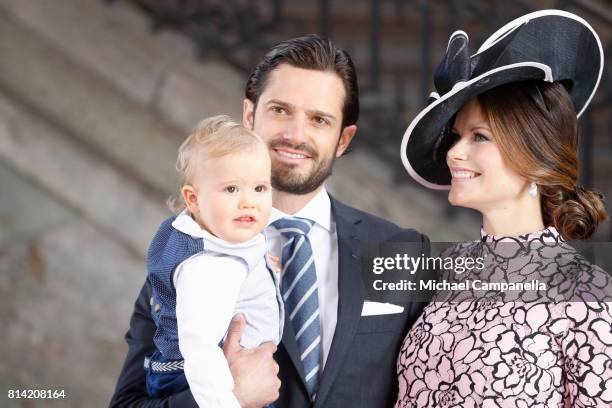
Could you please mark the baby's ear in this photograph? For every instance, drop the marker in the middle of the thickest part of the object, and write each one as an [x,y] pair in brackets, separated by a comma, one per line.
[191,198]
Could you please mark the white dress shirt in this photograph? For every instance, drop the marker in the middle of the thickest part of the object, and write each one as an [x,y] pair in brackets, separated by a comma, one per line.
[324,240]
[211,287]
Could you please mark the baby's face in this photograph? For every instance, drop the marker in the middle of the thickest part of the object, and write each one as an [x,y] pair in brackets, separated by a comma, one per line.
[234,194]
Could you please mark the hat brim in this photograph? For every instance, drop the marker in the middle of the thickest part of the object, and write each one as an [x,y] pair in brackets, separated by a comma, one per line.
[420,155]
[421,151]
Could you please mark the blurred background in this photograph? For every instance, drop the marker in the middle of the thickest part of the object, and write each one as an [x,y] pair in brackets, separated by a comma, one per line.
[95,98]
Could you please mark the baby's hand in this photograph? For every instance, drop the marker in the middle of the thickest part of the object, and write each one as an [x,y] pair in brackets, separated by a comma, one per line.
[274,262]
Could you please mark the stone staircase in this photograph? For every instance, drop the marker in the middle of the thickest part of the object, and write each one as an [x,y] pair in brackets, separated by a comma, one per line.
[92,111]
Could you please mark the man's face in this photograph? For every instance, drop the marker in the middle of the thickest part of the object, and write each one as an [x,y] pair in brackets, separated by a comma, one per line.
[299,116]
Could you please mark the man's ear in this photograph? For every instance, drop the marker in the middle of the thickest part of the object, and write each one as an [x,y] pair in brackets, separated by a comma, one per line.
[248,113]
[346,136]
[191,199]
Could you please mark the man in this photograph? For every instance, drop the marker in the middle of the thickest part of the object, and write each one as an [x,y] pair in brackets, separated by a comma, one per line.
[302,99]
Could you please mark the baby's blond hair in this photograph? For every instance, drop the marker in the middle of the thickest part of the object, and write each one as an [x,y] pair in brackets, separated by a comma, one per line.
[214,137]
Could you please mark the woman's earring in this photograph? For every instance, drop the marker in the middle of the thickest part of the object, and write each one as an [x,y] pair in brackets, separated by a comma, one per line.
[533,189]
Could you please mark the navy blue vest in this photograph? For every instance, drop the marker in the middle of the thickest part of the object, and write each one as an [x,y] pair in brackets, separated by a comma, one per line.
[168,249]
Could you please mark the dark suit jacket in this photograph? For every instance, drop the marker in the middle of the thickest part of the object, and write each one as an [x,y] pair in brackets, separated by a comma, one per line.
[360,370]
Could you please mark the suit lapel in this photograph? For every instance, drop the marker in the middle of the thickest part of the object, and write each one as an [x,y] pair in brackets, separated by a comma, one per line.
[350,297]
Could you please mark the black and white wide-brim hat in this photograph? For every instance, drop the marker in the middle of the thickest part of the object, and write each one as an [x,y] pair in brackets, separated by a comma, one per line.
[548,45]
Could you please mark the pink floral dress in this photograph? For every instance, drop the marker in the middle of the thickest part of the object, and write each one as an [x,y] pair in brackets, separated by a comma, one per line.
[549,350]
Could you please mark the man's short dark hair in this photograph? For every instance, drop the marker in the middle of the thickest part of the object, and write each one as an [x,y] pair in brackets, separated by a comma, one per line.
[309,52]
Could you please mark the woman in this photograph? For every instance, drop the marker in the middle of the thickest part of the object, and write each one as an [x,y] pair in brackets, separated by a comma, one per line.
[504,135]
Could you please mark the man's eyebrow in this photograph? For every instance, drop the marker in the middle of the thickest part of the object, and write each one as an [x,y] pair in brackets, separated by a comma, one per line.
[313,112]
[279,102]
[322,114]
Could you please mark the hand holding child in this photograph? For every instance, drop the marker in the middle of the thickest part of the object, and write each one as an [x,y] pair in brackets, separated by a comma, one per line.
[254,370]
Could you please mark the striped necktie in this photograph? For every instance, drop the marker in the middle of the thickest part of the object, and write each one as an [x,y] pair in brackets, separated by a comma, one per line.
[299,290]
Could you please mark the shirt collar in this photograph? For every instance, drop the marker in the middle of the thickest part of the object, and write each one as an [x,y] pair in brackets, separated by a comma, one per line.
[250,251]
[318,210]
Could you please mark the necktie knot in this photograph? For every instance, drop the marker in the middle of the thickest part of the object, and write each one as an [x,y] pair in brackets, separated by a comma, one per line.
[293,226]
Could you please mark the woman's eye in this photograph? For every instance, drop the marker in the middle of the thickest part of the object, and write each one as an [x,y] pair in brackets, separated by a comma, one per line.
[260,189]
[231,189]
[479,137]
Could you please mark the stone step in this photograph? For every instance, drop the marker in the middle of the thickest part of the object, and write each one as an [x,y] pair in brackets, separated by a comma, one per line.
[86,107]
[158,72]
[67,295]
[27,210]
[75,176]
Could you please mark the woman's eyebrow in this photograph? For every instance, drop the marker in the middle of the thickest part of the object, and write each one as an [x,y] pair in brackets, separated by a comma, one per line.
[484,126]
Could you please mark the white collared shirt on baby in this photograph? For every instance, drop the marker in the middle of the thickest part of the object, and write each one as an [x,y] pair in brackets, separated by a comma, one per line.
[211,287]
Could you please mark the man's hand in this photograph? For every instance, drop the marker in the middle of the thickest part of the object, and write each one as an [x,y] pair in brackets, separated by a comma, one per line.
[255,372]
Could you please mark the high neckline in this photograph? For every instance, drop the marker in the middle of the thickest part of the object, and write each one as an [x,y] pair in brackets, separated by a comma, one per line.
[548,234]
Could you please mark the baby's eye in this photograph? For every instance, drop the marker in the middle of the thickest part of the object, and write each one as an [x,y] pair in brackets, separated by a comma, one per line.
[261,188]
[479,137]
[231,189]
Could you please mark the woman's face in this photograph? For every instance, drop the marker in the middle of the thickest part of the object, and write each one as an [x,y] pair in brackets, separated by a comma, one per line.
[480,178]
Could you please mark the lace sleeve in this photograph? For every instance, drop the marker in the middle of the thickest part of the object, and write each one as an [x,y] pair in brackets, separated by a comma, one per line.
[587,354]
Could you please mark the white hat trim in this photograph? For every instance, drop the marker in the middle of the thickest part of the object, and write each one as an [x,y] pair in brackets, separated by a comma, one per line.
[547,77]
[455,34]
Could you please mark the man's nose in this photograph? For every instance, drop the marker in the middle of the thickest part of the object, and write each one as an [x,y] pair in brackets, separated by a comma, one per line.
[296,130]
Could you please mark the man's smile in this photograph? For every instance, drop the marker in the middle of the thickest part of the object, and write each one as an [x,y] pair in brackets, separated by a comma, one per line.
[291,155]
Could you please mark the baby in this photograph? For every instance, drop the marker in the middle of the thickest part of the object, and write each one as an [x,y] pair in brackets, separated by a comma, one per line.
[208,263]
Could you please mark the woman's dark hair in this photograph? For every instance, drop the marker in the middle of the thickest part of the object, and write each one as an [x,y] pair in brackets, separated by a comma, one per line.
[536,129]
[309,52]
